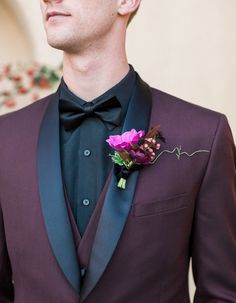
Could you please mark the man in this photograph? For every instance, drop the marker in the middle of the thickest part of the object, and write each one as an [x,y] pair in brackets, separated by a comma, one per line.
[68,233]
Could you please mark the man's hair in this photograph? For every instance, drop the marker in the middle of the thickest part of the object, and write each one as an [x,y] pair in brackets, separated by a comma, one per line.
[133,14]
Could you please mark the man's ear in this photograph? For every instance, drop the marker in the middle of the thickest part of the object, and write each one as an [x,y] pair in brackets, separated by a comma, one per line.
[127,7]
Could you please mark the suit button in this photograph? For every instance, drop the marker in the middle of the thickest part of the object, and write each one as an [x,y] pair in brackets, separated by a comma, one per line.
[87,152]
[83,272]
[86,202]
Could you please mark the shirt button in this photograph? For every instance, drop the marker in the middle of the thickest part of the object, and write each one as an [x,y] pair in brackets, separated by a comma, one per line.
[87,152]
[86,202]
[83,272]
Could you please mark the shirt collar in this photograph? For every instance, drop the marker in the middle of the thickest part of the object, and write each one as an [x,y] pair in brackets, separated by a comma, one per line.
[122,91]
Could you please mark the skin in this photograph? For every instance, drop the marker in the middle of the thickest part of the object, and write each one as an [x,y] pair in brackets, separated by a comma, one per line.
[91,34]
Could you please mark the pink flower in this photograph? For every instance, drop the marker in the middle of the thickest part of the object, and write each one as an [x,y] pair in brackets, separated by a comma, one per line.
[10,103]
[125,141]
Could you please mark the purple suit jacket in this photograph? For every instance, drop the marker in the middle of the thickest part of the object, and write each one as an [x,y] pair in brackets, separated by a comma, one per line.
[170,211]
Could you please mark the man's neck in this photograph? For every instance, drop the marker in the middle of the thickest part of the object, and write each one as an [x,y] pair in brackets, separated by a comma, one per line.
[91,75]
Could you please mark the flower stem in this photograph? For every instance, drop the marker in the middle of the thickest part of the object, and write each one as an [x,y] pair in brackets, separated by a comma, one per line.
[122,183]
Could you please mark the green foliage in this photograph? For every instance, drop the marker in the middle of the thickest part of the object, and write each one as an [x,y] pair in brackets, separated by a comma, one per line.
[116,158]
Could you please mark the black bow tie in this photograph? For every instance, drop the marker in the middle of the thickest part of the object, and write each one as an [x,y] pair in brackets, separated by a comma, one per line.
[72,113]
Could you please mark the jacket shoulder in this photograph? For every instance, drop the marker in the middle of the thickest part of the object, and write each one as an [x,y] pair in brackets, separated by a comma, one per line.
[26,116]
[185,123]
[175,105]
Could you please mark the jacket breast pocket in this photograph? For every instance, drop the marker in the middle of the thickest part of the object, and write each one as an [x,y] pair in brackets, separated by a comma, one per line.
[161,207]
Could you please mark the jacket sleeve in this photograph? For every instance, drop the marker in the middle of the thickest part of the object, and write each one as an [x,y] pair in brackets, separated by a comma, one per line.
[6,286]
[213,245]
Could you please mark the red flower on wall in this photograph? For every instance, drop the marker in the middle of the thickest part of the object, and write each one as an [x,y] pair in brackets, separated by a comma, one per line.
[10,103]
[26,79]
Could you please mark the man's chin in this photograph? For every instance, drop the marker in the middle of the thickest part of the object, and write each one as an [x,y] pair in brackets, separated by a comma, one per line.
[66,46]
[57,44]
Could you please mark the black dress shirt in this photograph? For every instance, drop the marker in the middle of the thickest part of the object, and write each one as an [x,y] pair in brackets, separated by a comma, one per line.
[85,152]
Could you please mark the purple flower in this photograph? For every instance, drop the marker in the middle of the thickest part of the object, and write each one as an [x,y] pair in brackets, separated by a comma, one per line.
[126,140]
[141,157]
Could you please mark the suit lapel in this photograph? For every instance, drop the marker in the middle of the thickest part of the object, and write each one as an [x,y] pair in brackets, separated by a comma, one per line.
[52,197]
[117,201]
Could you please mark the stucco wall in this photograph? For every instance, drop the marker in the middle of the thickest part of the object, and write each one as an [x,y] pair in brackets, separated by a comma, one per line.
[15,45]
[188,48]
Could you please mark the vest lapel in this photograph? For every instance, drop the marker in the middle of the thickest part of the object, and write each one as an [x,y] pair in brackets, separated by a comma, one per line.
[117,201]
[52,196]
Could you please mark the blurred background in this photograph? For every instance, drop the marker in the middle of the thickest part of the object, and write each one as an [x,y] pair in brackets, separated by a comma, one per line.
[184,47]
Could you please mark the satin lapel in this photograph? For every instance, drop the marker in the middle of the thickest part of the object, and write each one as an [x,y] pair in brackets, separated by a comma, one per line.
[117,201]
[52,197]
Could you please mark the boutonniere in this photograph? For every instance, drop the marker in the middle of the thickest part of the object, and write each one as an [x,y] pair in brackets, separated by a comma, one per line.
[135,149]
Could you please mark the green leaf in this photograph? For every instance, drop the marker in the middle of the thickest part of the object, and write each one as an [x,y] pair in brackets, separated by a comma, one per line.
[116,158]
